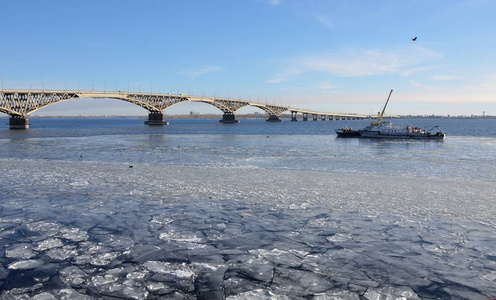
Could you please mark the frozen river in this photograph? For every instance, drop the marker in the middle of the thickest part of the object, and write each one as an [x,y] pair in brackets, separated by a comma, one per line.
[109,208]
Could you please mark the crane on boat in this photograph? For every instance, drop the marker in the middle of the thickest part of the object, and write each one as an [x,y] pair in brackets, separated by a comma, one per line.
[379,118]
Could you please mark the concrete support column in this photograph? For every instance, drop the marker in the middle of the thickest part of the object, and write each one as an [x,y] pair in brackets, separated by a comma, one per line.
[315,117]
[228,118]
[156,118]
[305,116]
[18,122]
[323,118]
[293,116]
[273,118]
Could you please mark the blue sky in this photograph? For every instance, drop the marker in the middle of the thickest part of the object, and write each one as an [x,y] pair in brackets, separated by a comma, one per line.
[339,56]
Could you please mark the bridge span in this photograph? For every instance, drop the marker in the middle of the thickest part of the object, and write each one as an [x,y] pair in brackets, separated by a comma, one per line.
[19,104]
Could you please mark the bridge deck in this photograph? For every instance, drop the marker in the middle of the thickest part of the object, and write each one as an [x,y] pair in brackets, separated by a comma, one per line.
[25,102]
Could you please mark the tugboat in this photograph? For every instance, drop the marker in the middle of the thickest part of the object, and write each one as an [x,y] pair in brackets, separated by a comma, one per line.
[347,132]
[385,129]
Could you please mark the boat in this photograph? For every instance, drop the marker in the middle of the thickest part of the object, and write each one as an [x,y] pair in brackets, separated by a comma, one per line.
[347,132]
[385,129]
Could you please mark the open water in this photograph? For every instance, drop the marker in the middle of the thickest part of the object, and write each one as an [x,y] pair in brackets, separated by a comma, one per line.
[114,209]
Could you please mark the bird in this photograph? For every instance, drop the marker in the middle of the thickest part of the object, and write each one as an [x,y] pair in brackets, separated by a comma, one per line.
[414,39]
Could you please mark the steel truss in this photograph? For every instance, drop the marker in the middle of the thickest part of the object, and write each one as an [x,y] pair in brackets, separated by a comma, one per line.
[21,103]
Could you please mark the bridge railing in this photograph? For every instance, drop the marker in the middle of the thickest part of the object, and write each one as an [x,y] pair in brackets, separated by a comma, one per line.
[20,103]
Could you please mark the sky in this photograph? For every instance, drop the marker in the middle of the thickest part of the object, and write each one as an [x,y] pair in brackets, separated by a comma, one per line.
[326,55]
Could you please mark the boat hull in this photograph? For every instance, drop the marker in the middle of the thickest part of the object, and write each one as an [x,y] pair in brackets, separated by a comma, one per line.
[399,135]
[373,134]
[347,133]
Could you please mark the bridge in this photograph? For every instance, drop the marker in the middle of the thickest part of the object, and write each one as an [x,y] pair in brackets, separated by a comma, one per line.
[19,104]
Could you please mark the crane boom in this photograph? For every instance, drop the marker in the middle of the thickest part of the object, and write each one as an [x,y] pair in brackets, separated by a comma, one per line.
[379,118]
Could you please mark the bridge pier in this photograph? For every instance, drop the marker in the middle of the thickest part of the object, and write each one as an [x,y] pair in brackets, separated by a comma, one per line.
[273,118]
[229,118]
[156,118]
[293,116]
[18,122]
[315,117]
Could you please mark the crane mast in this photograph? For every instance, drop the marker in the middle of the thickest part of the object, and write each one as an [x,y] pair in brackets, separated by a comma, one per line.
[379,118]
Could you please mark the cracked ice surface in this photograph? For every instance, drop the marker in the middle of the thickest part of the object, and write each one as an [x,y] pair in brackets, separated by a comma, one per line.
[241,232]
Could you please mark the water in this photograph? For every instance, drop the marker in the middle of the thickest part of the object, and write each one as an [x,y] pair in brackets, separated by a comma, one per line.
[111,208]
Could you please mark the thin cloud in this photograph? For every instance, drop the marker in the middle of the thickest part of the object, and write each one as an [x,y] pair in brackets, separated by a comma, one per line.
[416,70]
[327,22]
[202,71]
[371,62]
[480,89]
[326,85]
[422,86]
[275,2]
[284,76]
[444,78]
[352,63]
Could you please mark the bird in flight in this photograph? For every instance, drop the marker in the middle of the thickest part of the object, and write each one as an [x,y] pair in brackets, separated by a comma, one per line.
[414,39]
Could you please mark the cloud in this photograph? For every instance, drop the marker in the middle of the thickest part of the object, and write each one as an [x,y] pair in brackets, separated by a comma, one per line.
[327,22]
[371,62]
[352,63]
[326,85]
[444,78]
[416,70]
[421,86]
[480,89]
[202,71]
[275,2]
[283,76]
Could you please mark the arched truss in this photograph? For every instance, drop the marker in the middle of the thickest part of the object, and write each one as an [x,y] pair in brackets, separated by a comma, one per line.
[23,103]
[153,102]
[229,106]
[272,110]
[20,103]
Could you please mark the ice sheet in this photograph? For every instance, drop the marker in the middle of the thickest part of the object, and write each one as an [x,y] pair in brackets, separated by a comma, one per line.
[241,233]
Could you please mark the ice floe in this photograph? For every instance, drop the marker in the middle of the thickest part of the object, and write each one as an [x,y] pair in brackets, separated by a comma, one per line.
[26,264]
[23,251]
[49,244]
[228,232]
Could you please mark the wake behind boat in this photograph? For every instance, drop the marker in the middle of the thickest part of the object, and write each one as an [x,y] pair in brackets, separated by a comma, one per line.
[385,129]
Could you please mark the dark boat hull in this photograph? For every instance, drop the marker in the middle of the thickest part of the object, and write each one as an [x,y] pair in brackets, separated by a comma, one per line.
[402,135]
[346,133]
[350,133]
